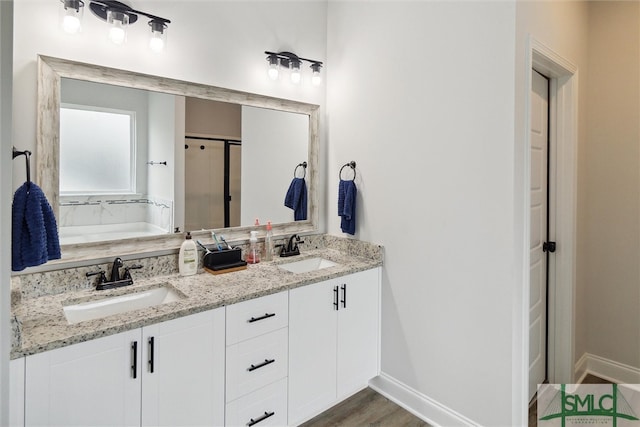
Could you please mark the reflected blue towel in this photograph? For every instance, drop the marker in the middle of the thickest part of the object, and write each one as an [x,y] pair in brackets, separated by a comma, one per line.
[347,192]
[34,234]
[296,199]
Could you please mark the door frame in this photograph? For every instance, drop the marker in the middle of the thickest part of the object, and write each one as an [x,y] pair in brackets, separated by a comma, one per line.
[563,142]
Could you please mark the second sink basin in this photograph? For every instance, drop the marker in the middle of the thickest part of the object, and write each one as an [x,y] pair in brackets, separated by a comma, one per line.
[108,306]
[307,265]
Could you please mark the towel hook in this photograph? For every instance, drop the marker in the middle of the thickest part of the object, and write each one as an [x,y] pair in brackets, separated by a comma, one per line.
[27,155]
[304,166]
[352,165]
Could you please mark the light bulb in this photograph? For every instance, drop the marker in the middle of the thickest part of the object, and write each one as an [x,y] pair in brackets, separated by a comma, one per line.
[71,24]
[156,44]
[316,79]
[118,30]
[273,71]
[72,16]
[158,37]
[295,72]
[117,34]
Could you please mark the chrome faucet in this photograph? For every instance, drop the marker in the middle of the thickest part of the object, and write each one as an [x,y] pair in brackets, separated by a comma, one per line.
[116,281]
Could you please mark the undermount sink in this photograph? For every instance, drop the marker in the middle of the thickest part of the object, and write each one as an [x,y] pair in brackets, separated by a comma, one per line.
[117,304]
[307,265]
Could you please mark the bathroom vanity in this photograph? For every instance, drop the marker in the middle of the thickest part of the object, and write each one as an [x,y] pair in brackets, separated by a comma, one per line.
[263,346]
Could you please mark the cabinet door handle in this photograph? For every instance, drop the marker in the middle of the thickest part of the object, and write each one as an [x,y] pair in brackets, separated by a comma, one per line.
[266,316]
[344,295]
[151,356]
[134,365]
[335,298]
[260,365]
[262,418]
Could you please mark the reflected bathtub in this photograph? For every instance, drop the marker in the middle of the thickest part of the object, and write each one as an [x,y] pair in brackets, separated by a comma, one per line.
[98,233]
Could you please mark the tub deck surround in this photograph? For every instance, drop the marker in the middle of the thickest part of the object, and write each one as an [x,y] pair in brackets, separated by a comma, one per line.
[40,324]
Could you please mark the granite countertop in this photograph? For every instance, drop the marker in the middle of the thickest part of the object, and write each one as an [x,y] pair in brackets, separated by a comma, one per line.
[42,325]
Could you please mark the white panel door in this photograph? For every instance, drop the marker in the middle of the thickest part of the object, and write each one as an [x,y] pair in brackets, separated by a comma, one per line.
[95,383]
[183,371]
[538,267]
[357,331]
[312,349]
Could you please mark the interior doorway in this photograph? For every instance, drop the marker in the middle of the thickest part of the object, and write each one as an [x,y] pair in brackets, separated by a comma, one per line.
[562,80]
[541,214]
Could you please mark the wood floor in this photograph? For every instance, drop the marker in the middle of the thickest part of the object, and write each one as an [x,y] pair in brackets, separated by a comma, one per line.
[370,409]
[366,409]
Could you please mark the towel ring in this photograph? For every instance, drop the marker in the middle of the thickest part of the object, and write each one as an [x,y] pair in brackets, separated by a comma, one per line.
[304,167]
[352,165]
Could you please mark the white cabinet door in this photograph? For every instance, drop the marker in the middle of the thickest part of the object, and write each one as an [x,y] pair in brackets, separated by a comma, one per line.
[333,341]
[312,349]
[358,331]
[16,393]
[95,383]
[183,371]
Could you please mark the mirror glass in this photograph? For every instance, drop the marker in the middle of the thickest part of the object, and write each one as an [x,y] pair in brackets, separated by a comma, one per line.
[238,162]
[175,154]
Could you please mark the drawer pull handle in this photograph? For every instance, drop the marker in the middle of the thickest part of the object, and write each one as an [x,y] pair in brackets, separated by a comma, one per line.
[265,363]
[262,418]
[134,363]
[151,356]
[266,316]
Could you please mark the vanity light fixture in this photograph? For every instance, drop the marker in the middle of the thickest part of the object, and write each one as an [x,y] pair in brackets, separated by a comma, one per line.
[119,16]
[292,62]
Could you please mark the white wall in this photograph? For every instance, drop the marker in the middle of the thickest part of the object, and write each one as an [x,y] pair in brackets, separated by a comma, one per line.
[6,84]
[213,119]
[420,95]
[162,145]
[612,214]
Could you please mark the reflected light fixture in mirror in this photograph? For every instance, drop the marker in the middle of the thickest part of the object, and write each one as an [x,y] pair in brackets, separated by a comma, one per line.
[292,62]
[119,16]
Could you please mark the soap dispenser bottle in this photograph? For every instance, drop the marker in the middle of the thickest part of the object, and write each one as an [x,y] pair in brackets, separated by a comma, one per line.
[188,257]
[253,256]
[268,243]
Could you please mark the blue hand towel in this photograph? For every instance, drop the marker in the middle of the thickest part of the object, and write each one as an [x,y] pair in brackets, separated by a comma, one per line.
[34,236]
[296,199]
[347,192]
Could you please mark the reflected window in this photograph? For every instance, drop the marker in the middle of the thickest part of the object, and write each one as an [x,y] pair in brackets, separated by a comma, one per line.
[97,151]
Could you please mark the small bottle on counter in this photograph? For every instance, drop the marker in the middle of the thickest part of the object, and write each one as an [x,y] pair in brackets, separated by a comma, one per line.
[253,255]
[188,257]
[268,243]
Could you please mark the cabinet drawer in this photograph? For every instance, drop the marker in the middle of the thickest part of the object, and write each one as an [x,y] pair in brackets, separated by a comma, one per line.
[254,363]
[264,407]
[255,317]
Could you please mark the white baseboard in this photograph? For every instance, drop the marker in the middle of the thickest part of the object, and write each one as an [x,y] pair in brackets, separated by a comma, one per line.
[606,369]
[417,403]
